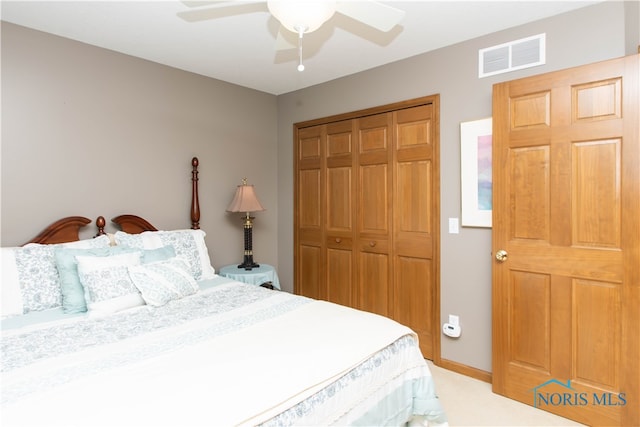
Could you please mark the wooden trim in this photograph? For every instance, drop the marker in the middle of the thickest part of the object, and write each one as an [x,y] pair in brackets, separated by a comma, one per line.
[469,371]
[435,211]
[367,112]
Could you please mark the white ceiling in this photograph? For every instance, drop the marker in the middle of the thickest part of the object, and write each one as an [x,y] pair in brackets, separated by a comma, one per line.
[241,49]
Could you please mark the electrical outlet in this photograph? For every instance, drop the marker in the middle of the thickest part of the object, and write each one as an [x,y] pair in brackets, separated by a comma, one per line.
[454,320]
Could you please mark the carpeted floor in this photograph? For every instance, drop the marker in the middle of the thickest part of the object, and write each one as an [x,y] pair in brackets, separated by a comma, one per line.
[470,402]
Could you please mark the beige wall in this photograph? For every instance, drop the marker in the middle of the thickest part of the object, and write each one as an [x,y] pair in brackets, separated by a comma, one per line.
[632,27]
[584,36]
[87,131]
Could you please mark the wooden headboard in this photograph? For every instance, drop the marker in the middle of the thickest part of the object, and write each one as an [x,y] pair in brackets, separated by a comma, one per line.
[62,231]
[68,229]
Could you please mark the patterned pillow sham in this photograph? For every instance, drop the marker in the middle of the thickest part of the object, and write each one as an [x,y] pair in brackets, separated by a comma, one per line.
[30,280]
[163,281]
[106,282]
[72,291]
[188,244]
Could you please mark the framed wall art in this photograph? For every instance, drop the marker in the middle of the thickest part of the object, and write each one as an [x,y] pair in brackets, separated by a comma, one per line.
[476,179]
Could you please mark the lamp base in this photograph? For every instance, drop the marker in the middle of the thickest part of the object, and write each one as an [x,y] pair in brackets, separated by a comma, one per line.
[248,263]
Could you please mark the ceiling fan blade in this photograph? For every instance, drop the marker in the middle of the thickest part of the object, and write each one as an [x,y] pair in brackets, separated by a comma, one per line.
[371,13]
[222,9]
[283,39]
[201,3]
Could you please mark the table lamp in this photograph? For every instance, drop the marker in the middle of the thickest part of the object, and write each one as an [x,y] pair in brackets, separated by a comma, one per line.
[245,200]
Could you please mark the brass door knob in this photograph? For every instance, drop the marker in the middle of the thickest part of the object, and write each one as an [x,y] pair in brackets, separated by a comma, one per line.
[338,240]
[502,255]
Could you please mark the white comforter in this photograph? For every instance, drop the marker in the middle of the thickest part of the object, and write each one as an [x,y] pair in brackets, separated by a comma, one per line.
[233,355]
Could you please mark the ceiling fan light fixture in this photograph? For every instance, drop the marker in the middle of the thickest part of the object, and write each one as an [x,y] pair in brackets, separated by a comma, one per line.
[301,15]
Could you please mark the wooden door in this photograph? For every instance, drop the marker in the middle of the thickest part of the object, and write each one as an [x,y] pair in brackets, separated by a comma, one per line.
[339,184]
[374,213]
[309,208]
[566,212]
[366,203]
[415,224]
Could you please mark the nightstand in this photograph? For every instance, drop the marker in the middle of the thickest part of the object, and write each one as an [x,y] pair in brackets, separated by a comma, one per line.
[255,276]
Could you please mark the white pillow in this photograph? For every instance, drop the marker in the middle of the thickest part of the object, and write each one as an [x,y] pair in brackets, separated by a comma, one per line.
[188,244]
[106,282]
[30,280]
[163,281]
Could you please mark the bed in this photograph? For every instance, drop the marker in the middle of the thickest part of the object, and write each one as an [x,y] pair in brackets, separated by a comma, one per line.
[135,328]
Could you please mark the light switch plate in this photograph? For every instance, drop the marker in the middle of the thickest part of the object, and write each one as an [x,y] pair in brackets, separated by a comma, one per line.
[454,227]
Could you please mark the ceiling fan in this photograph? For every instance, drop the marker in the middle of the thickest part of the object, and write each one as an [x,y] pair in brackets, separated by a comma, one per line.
[299,16]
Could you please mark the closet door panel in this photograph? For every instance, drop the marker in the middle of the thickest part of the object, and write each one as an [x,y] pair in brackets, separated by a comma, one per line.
[413,223]
[309,196]
[373,198]
[374,212]
[339,276]
[339,213]
[414,298]
[339,199]
[367,213]
[373,282]
[309,234]
[309,271]
[339,179]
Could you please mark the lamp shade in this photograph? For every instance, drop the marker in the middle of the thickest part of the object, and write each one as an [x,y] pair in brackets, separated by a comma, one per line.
[245,200]
[302,16]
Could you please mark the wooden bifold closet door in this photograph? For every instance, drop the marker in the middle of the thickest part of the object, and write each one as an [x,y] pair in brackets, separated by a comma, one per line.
[367,213]
[566,289]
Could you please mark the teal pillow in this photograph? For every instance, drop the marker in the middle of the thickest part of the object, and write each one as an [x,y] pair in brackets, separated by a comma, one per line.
[160,254]
[72,290]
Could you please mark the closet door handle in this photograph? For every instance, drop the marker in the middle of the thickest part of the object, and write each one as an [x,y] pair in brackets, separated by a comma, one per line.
[372,243]
[338,240]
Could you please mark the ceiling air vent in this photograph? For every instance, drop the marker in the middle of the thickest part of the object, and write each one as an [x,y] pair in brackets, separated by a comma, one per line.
[511,56]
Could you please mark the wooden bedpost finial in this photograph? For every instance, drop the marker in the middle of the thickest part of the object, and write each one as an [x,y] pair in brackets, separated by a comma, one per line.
[195,203]
[100,223]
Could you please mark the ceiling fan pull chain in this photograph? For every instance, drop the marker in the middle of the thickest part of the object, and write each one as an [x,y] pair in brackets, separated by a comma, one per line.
[301,31]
